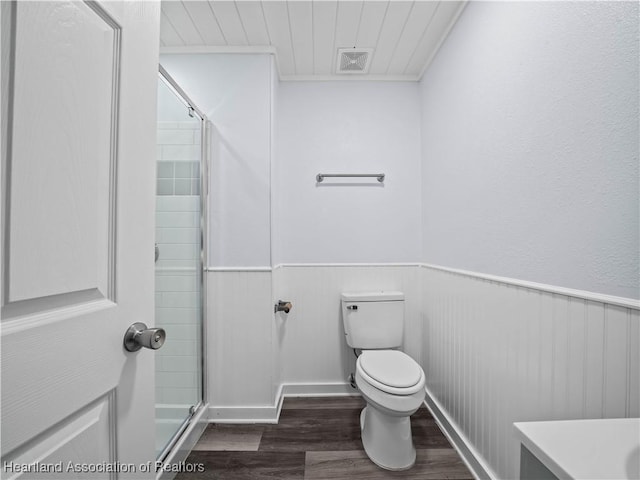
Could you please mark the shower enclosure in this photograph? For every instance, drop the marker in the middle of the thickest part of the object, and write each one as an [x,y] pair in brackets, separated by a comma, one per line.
[179,257]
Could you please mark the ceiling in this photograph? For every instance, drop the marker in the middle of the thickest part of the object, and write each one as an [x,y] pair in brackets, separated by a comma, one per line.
[305,35]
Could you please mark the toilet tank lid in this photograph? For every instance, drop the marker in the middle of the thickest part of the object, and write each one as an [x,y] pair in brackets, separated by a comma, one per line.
[375,296]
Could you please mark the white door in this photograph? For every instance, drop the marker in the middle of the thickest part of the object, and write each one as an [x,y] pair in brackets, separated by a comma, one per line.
[78,146]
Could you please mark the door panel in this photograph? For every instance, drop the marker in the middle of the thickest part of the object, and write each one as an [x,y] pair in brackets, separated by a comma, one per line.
[70,450]
[78,170]
[67,125]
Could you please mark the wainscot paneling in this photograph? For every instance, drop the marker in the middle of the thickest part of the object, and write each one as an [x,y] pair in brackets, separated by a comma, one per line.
[494,351]
[239,346]
[497,352]
[313,347]
[255,356]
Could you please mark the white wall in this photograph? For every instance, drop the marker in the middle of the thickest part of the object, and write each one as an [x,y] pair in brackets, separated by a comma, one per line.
[530,145]
[240,346]
[321,127]
[347,127]
[276,357]
[235,93]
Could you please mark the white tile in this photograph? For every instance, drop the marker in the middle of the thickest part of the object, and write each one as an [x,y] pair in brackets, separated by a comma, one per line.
[178,267]
[181,396]
[176,347]
[178,235]
[179,251]
[184,332]
[180,366]
[160,397]
[178,204]
[169,317]
[163,125]
[181,152]
[177,379]
[179,299]
[178,219]
[190,125]
[175,137]
[177,283]
[189,271]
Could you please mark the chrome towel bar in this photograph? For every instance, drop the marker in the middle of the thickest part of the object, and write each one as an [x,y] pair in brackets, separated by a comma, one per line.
[321,176]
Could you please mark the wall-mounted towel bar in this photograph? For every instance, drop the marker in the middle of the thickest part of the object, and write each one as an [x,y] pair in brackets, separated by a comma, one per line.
[321,176]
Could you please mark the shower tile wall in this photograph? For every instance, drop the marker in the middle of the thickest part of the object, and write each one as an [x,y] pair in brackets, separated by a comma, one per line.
[178,158]
[177,270]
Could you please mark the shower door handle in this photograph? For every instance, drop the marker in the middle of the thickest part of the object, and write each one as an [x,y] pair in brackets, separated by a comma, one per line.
[138,336]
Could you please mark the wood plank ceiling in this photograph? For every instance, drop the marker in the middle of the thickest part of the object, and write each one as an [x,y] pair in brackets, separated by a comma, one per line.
[305,35]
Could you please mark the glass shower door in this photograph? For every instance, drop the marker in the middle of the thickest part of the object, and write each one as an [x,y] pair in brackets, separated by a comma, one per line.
[178,265]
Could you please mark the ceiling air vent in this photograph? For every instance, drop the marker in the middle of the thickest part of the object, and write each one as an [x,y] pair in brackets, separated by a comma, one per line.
[354,60]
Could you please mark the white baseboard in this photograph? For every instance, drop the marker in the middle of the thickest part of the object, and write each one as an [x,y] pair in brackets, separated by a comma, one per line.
[271,413]
[248,414]
[459,440]
[318,390]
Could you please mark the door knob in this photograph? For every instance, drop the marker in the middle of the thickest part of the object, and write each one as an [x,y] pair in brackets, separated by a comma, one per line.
[138,336]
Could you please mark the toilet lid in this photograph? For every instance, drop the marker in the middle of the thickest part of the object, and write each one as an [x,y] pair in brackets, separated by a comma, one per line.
[391,367]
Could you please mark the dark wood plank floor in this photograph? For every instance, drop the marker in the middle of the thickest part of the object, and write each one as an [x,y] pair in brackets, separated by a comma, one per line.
[316,438]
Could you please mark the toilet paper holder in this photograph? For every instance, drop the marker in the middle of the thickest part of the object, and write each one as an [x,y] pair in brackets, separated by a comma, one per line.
[282,306]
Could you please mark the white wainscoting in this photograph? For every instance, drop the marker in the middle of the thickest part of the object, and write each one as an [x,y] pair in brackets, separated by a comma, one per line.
[239,346]
[314,353]
[255,356]
[496,352]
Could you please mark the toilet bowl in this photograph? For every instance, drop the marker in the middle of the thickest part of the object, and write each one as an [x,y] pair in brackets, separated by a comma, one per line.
[392,384]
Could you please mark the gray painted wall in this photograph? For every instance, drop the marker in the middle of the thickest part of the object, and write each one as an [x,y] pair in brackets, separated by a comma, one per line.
[530,145]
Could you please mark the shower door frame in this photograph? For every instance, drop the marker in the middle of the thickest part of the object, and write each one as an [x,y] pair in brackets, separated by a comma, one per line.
[178,447]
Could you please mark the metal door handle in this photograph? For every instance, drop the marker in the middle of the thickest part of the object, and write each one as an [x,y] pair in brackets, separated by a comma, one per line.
[138,336]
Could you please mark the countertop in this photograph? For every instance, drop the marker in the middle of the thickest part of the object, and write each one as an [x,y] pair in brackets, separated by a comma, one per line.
[585,449]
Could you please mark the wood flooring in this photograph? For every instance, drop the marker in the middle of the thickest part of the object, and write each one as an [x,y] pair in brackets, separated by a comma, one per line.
[316,438]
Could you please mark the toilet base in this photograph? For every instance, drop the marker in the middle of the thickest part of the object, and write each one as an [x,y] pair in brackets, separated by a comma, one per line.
[387,439]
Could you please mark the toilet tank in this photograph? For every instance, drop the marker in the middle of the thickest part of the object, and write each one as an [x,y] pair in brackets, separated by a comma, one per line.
[373,319]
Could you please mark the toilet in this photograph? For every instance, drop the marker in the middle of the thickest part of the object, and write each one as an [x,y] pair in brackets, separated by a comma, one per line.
[390,381]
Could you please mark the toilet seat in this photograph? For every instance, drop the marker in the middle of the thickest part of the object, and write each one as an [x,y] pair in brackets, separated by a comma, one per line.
[391,371]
